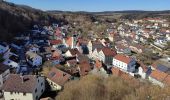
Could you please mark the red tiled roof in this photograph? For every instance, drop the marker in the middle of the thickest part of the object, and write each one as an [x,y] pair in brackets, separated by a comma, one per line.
[158,75]
[109,52]
[58,76]
[122,58]
[55,42]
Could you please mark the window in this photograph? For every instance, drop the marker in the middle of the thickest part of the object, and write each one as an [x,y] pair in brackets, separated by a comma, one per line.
[35,90]
[36,97]
[42,91]
[24,94]
[41,84]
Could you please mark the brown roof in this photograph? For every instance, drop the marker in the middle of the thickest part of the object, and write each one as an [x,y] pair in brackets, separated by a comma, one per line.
[123,58]
[109,51]
[84,68]
[3,68]
[14,83]
[58,76]
[82,58]
[74,51]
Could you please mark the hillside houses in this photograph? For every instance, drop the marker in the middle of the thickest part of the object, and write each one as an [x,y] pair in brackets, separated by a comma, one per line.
[62,56]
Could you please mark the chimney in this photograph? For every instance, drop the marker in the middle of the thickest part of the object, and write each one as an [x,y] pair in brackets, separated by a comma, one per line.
[22,77]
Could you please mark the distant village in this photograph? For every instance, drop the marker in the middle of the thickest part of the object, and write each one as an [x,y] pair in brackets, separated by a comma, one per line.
[44,58]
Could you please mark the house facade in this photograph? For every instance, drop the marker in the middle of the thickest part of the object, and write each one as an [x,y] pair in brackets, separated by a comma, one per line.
[125,63]
[106,55]
[27,87]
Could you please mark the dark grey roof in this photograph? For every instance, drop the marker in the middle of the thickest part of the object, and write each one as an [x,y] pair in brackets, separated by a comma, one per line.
[3,68]
[162,68]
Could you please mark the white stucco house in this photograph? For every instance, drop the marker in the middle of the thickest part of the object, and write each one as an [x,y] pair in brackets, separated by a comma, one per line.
[27,87]
[4,73]
[33,58]
[125,63]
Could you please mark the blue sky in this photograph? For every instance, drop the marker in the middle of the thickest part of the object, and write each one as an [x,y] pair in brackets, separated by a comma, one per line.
[96,5]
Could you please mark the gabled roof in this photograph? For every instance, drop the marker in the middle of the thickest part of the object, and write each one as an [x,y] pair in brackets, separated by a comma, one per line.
[57,76]
[82,58]
[109,52]
[98,64]
[17,83]
[123,58]
[97,44]
[69,41]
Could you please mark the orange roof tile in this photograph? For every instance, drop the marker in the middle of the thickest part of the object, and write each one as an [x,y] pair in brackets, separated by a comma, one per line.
[158,75]
[122,58]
